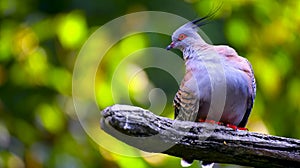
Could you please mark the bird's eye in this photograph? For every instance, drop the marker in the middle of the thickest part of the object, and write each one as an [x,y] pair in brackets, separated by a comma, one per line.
[181,37]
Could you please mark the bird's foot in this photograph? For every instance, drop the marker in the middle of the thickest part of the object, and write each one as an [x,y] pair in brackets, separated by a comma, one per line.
[211,121]
[223,124]
[236,127]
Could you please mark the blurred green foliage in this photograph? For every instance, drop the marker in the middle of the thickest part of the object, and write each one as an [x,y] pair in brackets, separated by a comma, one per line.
[39,41]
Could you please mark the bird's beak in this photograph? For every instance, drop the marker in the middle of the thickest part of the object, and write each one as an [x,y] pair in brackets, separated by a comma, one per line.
[170,46]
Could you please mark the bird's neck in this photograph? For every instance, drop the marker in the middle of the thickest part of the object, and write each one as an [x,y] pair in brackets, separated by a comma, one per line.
[194,52]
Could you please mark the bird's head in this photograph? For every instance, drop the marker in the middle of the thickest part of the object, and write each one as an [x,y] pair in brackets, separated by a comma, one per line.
[187,34]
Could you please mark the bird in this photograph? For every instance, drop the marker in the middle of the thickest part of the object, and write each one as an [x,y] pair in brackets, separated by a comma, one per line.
[204,65]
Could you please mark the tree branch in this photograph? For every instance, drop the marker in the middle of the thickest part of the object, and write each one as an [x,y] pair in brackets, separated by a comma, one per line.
[200,141]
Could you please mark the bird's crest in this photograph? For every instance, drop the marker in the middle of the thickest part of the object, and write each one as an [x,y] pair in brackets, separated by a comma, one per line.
[190,30]
[203,20]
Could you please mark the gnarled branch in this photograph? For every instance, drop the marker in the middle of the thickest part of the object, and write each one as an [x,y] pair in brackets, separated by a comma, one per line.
[200,141]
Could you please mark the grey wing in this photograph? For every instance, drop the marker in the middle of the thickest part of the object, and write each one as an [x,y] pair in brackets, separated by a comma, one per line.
[251,97]
[186,105]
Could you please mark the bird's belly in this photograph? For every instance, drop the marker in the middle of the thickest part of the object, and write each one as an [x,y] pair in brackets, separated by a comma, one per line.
[232,102]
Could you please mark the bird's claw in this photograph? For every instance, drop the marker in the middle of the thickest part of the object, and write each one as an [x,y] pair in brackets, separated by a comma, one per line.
[234,127]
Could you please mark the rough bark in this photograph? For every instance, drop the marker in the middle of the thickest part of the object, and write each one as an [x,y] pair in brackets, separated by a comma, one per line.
[199,141]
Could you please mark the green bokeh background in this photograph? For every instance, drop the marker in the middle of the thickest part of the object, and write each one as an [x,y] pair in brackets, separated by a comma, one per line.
[39,43]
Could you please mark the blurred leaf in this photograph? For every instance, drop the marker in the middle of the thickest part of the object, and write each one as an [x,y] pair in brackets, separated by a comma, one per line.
[293,92]
[6,39]
[25,42]
[7,7]
[129,162]
[103,94]
[64,77]
[51,118]
[26,132]
[238,32]
[72,30]
[39,29]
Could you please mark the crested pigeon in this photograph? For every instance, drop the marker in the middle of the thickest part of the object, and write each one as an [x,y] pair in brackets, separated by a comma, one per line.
[205,63]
